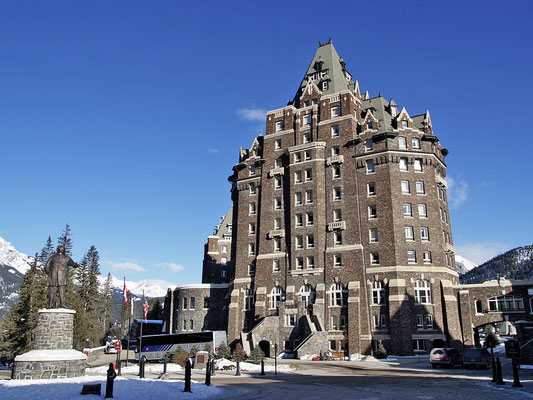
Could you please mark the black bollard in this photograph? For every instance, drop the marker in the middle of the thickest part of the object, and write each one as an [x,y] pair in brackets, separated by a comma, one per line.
[493,363]
[208,374]
[141,373]
[119,367]
[111,375]
[165,366]
[213,368]
[499,380]
[238,373]
[13,370]
[262,367]
[187,376]
[516,378]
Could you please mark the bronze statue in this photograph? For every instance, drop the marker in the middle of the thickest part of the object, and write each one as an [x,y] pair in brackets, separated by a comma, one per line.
[57,269]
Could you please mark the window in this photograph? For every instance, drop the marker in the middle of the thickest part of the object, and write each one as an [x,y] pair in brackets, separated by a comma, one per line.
[280,125]
[402,142]
[184,324]
[299,242]
[251,249]
[337,215]
[337,260]
[307,119]
[335,111]
[253,188]
[369,145]
[424,233]
[251,270]
[426,257]
[277,203]
[338,238]
[419,345]
[275,296]
[223,273]
[506,303]
[373,235]
[394,111]
[277,244]
[299,263]
[372,212]
[416,143]
[297,157]
[375,319]
[407,210]
[206,302]
[369,166]
[411,257]
[307,138]
[277,144]
[185,302]
[325,85]
[405,187]
[374,258]
[337,194]
[248,299]
[335,131]
[370,125]
[298,198]
[278,163]
[336,294]
[383,321]
[193,303]
[378,292]
[277,223]
[309,219]
[429,321]
[334,323]
[308,197]
[404,124]
[223,261]
[224,249]
[479,307]
[310,241]
[409,235]
[298,177]
[308,175]
[371,188]
[418,165]
[403,163]
[335,151]
[310,262]
[423,292]
[290,320]
[252,170]
[299,220]
[420,187]
[251,228]
[252,208]
[422,211]
[336,172]
[420,321]
[307,155]
[275,266]
[277,182]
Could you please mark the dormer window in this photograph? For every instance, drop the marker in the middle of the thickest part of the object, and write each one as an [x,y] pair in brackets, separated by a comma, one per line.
[280,125]
[322,74]
[394,111]
[315,101]
[306,103]
[348,76]
[325,85]
[404,124]
[252,170]
[370,125]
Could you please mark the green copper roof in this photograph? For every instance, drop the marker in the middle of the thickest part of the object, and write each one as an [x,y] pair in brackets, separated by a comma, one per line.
[326,59]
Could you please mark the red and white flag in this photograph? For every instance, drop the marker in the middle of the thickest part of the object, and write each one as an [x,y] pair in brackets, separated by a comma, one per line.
[146,307]
[125,292]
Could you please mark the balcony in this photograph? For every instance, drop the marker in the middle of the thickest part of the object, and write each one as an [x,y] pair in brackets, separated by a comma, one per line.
[276,233]
[335,226]
[335,160]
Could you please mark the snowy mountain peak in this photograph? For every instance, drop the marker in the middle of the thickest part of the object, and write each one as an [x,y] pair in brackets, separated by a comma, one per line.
[463,265]
[9,256]
[151,287]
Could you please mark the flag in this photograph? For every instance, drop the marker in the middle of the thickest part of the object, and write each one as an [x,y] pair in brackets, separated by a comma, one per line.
[125,292]
[131,307]
[145,310]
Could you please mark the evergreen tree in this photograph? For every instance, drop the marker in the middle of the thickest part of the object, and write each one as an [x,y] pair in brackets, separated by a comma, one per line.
[239,354]
[66,240]
[223,350]
[156,310]
[47,251]
[257,355]
[107,306]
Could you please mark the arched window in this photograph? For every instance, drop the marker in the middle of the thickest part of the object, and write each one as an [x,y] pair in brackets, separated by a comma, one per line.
[307,295]
[423,292]
[378,292]
[337,294]
[275,296]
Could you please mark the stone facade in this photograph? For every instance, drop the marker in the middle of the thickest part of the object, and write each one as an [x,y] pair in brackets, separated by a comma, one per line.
[50,369]
[217,252]
[54,331]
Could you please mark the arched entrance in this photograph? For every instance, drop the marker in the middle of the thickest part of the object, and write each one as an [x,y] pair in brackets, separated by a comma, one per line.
[265,346]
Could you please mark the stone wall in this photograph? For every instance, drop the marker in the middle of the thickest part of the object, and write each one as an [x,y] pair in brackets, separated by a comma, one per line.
[49,369]
[54,329]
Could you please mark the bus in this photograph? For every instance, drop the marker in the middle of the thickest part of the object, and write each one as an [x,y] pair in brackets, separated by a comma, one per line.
[154,347]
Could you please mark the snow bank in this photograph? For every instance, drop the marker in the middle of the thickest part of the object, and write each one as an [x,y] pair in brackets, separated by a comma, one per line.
[134,368]
[124,388]
[246,366]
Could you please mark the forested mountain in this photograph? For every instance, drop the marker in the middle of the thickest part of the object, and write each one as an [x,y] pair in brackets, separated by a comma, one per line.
[514,264]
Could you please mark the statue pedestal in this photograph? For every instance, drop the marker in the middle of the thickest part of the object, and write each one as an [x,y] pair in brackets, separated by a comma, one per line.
[52,356]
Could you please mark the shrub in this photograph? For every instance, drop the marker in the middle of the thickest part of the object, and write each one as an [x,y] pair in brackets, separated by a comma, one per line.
[256,355]
[491,340]
[223,350]
[209,350]
[194,350]
[180,359]
[239,354]
[381,352]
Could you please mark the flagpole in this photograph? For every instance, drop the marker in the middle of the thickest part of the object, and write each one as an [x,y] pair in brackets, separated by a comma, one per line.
[140,338]
[129,330]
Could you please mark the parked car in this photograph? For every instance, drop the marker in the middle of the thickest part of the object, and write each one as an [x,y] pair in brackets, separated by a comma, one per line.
[475,357]
[110,347]
[445,356]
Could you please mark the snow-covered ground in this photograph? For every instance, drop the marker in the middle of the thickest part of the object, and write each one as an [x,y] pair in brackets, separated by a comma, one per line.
[246,366]
[171,367]
[124,388]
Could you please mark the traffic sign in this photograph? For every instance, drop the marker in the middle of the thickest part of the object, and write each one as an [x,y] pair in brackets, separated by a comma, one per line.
[117,345]
[512,348]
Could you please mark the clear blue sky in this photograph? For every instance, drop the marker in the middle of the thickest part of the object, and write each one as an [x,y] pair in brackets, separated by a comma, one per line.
[124,118]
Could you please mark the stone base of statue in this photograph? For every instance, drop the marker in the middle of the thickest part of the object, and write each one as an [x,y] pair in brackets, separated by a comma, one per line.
[52,356]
